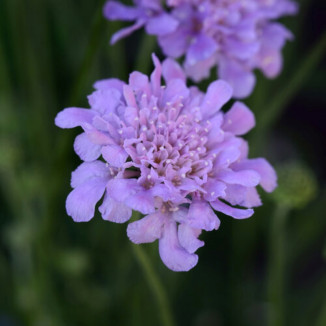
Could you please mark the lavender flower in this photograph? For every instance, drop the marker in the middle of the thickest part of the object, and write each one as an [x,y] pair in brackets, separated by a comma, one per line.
[168,152]
[238,36]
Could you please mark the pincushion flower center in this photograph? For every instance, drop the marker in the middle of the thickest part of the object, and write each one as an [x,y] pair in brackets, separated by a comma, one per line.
[172,142]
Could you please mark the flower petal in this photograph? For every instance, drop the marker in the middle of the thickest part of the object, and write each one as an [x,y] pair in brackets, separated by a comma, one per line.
[218,93]
[201,216]
[115,155]
[105,100]
[73,117]
[114,211]
[126,31]
[147,229]
[142,201]
[139,81]
[175,88]
[214,189]
[200,49]
[201,69]
[268,177]
[241,78]
[121,189]
[243,196]
[231,211]
[113,10]
[188,238]
[248,178]
[81,201]
[172,254]
[239,119]
[109,83]
[85,149]
[88,170]
[172,70]
[132,194]
[156,75]
[161,24]
[174,44]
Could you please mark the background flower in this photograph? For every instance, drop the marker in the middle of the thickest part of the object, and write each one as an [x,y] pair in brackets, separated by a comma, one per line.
[236,36]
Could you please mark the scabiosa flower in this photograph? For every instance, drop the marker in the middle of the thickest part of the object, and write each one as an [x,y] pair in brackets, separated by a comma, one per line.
[236,35]
[147,13]
[168,152]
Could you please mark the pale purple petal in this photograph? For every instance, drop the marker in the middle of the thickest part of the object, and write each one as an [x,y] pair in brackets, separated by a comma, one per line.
[142,201]
[95,134]
[231,211]
[121,189]
[126,31]
[117,11]
[132,194]
[115,155]
[129,96]
[109,83]
[202,48]
[188,238]
[114,211]
[175,44]
[105,100]
[218,93]
[147,229]
[161,24]
[85,149]
[226,157]
[268,177]
[139,81]
[239,49]
[172,254]
[241,78]
[156,75]
[270,62]
[88,170]
[81,201]
[248,178]
[201,216]
[243,196]
[200,69]
[172,70]
[175,88]
[239,119]
[73,117]
[214,189]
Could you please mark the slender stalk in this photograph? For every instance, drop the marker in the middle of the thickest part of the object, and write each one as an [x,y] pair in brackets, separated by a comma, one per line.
[276,269]
[155,285]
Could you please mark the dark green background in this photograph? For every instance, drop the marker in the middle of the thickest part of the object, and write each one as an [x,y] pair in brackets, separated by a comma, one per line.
[267,270]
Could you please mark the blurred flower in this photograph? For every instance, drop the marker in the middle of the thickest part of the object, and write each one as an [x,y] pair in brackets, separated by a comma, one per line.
[297,185]
[238,36]
[170,153]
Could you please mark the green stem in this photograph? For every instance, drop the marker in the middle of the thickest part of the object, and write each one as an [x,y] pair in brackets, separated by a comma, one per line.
[155,285]
[276,268]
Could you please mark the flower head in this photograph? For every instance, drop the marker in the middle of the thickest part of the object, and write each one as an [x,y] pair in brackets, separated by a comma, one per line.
[237,36]
[168,152]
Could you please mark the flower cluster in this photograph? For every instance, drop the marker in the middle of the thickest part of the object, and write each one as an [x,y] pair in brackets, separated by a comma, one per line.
[237,36]
[168,152]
